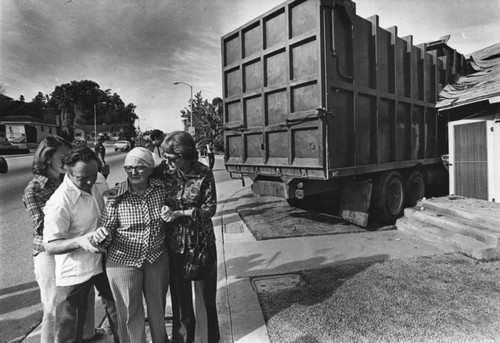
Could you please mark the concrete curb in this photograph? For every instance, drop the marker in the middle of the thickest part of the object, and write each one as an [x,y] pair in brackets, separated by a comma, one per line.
[240,312]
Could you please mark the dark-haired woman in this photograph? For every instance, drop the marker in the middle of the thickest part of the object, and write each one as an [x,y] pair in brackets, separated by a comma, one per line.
[192,202]
[48,174]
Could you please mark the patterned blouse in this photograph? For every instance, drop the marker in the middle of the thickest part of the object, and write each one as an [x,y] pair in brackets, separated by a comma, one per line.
[136,230]
[36,194]
[193,190]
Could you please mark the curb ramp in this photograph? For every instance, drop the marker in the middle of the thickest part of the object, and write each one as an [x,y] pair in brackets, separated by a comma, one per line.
[456,224]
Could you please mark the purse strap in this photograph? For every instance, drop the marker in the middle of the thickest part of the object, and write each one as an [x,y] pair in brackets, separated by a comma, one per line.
[197,222]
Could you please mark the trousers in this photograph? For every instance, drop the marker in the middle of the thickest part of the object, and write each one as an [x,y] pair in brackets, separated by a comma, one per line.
[71,308]
[45,277]
[129,285]
[189,326]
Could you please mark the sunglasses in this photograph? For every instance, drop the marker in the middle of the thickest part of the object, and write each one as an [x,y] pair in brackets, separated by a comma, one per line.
[138,169]
[170,158]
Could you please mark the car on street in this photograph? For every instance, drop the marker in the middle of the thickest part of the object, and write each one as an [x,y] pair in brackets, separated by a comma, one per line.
[122,146]
[4,168]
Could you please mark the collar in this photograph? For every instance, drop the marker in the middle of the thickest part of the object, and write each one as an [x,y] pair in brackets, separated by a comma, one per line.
[124,187]
[199,170]
[43,180]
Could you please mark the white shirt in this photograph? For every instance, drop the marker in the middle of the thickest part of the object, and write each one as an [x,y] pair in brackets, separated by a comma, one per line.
[69,213]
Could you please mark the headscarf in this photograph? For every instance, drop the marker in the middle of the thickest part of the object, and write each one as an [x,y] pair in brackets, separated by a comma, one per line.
[141,156]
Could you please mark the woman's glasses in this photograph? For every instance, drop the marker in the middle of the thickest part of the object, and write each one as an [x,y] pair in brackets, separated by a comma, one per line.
[138,169]
[171,158]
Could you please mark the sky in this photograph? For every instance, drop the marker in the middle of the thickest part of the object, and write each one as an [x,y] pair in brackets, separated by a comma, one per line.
[139,48]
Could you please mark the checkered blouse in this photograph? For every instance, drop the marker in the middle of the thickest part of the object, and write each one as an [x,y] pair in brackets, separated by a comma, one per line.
[137,232]
[36,194]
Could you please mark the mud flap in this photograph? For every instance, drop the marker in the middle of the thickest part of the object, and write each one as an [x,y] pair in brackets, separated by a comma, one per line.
[355,202]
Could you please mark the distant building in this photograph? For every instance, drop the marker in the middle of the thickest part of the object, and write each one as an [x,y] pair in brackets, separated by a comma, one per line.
[109,132]
[26,129]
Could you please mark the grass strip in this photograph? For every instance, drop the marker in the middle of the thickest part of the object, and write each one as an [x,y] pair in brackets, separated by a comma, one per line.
[444,298]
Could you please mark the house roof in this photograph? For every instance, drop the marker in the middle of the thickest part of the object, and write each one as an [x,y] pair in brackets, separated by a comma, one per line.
[24,120]
[483,85]
[103,128]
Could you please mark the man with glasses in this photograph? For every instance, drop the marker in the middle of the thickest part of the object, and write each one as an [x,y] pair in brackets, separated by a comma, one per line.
[71,217]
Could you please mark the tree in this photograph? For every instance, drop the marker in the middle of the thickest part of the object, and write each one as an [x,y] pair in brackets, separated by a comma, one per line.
[74,100]
[21,98]
[39,99]
[207,119]
[77,99]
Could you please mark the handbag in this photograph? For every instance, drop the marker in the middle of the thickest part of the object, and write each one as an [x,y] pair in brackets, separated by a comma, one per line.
[105,170]
[200,259]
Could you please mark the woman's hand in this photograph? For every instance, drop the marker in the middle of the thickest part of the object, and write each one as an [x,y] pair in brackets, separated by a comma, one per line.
[99,235]
[169,215]
[87,243]
[166,213]
[110,195]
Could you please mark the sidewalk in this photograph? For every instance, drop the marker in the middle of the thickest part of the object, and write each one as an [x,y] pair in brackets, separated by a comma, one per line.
[242,258]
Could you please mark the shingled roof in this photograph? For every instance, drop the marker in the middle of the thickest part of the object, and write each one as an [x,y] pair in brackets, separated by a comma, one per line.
[483,85]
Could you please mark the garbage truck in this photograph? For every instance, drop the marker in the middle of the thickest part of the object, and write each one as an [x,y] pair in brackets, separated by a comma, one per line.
[318,100]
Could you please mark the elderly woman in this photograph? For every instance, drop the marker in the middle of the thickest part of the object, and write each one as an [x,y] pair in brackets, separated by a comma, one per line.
[133,233]
[191,204]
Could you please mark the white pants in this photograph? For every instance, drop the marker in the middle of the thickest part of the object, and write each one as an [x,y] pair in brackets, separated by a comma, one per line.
[45,274]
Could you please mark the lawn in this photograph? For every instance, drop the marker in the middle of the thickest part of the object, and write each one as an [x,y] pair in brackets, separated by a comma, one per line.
[445,298]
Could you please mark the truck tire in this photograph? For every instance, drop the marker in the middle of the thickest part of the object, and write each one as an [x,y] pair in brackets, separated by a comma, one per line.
[414,188]
[388,197]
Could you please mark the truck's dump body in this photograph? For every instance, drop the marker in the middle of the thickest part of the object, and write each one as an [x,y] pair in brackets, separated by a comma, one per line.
[312,90]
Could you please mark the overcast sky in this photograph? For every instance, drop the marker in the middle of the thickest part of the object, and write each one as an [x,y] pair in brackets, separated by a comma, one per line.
[139,48]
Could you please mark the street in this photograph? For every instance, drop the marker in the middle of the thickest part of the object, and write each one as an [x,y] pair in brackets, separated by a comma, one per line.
[20,308]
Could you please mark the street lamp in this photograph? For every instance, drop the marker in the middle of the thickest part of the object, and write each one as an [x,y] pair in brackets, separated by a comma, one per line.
[191,116]
[95,121]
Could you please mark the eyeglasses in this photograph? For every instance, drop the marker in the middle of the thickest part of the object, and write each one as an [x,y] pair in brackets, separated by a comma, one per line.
[138,169]
[170,158]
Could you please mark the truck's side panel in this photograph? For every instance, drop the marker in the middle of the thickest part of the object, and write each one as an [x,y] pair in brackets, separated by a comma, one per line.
[312,90]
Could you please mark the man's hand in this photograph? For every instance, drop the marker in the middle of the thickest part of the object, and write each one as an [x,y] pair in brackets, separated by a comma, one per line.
[85,242]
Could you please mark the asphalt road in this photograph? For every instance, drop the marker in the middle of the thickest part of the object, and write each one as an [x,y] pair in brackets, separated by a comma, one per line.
[20,308]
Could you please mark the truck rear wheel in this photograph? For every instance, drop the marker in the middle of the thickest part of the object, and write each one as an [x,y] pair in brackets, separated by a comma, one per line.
[414,188]
[388,197]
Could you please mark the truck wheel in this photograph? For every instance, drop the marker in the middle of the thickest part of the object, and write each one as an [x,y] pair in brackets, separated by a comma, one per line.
[295,202]
[388,195]
[414,188]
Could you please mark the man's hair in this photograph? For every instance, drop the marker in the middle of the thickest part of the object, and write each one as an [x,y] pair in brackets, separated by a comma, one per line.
[79,153]
[156,134]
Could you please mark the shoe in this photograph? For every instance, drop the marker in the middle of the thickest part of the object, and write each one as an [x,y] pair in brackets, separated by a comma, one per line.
[98,333]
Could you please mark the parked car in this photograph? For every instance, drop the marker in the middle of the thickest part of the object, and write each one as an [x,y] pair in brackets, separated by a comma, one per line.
[4,168]
[122,146]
